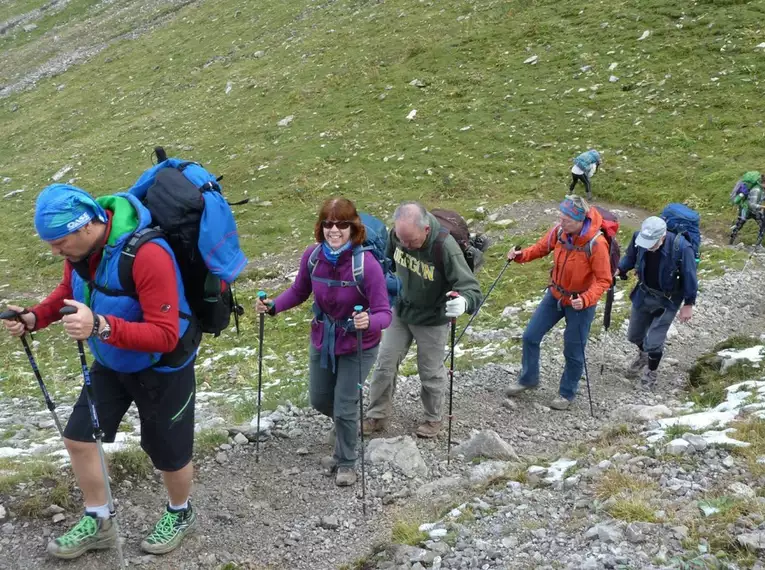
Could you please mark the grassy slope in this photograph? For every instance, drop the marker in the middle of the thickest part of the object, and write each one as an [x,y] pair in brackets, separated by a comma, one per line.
[667,129]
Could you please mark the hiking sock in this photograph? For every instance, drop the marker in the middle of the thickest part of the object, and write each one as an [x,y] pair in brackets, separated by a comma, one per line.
[653,360]
[175,509]
[101,512]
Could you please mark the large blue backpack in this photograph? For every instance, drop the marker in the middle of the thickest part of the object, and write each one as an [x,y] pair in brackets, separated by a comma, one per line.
[375,242]
[682,220]
[189,211]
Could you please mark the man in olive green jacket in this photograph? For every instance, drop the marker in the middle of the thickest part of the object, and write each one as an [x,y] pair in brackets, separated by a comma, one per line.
[431,266]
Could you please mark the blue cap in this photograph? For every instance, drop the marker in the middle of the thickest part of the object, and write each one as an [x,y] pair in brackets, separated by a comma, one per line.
[62,209]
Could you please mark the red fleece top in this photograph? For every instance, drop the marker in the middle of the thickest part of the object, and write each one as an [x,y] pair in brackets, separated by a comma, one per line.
[156,286]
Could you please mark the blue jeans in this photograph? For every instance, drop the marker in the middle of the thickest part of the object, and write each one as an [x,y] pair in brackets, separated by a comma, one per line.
[575,336]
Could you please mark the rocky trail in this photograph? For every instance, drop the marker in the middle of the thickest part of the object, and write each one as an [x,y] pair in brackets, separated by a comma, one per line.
[281,512]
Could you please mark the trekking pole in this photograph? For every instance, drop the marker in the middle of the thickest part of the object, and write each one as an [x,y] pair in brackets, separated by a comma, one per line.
[98,435]
[358,309]
[584,358]
[451,385]
[7,315]
[607,324]
[262,296]
[473,316]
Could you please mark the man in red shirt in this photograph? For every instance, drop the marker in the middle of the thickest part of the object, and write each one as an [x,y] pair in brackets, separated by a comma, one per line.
[144,345]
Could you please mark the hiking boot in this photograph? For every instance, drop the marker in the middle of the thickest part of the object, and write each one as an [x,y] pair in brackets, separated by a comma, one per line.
[648,378]
[636,366]
[517,389]
[560,403]
[332,437]
[169,531]
[428,429]
[346,476]
[91,533]
[329,465]
[371,425]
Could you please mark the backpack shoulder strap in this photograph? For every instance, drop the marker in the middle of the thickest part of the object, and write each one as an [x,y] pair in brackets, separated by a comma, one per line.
[558,234]
[357,263]
[313,259]
[438,249]
[593,241]
[127,258]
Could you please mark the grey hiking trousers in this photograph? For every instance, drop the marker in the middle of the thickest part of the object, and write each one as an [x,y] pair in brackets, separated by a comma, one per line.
[336,395]
[649,323]
[397,338]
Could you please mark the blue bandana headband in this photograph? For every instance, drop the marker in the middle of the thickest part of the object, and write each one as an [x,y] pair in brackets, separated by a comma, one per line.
[572,210]
[62,209]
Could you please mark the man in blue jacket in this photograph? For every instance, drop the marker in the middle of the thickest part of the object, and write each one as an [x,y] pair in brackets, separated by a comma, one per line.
[144,346]
[667,286]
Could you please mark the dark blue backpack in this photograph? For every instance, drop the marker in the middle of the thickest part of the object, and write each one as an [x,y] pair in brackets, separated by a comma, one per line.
[682,220]
[376,242]
[189,211]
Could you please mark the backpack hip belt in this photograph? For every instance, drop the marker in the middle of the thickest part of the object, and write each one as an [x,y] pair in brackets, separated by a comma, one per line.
[562,291]
[655,292]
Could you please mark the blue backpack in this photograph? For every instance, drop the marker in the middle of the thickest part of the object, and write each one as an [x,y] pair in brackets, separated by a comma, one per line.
[376,242]
[189,211]
[682,220]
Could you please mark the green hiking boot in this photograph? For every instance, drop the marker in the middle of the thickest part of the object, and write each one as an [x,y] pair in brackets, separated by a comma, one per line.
[169,531]
[91,533]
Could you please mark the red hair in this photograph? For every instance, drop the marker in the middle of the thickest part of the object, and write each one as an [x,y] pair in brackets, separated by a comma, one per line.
[340,210]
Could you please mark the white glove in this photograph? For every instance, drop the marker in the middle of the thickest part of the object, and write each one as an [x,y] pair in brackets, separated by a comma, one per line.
[455,306]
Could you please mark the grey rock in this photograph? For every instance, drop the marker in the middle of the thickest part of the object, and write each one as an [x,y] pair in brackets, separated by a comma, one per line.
[29,27]
[330,523]
[487,471]
[221,457]
[58,518]
[438,486]
[752,540]
[678,447]
[241,439]
[741,490]
[258,54]
[510,542]
[634,534]
[698,442]
[486,444]
[285,122]
[400,451]
[7,528]
[639,413]
[51,510]
[3,513]
[266,424]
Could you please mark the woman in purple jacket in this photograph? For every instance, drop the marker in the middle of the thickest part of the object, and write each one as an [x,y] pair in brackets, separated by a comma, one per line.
[326,270]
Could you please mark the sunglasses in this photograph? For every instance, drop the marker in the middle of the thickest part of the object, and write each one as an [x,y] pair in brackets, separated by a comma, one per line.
[329,224]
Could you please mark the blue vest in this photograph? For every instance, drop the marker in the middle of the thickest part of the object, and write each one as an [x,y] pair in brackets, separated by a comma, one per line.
[125,307]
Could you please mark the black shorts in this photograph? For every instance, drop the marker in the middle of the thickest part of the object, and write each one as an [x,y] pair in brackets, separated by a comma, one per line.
[165,403]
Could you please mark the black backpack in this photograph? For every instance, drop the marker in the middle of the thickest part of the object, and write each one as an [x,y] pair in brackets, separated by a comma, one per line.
[173,191]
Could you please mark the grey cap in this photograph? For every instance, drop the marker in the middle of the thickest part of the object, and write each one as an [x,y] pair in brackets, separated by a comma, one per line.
[652,230]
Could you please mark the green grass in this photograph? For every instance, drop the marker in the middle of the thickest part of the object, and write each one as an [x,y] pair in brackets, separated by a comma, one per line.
[407,532]
[13,473]
[130,463]
[208,440]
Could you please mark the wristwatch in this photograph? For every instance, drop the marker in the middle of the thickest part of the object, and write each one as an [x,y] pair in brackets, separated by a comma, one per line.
[107,332]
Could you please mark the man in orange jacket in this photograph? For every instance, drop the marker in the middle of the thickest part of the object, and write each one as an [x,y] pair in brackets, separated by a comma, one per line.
[580,275]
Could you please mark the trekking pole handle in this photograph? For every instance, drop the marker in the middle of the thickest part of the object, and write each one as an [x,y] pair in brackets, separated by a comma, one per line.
[358,308]
[68,310]
[8,315]
[262,295]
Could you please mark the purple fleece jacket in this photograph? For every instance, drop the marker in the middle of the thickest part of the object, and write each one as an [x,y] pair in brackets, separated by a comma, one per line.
[338,302]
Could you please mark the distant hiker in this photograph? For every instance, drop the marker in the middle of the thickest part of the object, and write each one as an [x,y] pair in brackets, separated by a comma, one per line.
[581,268]
[333,363]
[144,348]
[430,264]
[749,196]
[585,167]
[666,269]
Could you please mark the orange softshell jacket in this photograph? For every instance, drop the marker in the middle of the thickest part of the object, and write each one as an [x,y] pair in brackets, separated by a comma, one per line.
[574,271]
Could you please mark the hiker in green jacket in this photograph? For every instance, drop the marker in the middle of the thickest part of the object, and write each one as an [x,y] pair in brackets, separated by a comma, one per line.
[431,265]
[749,196]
